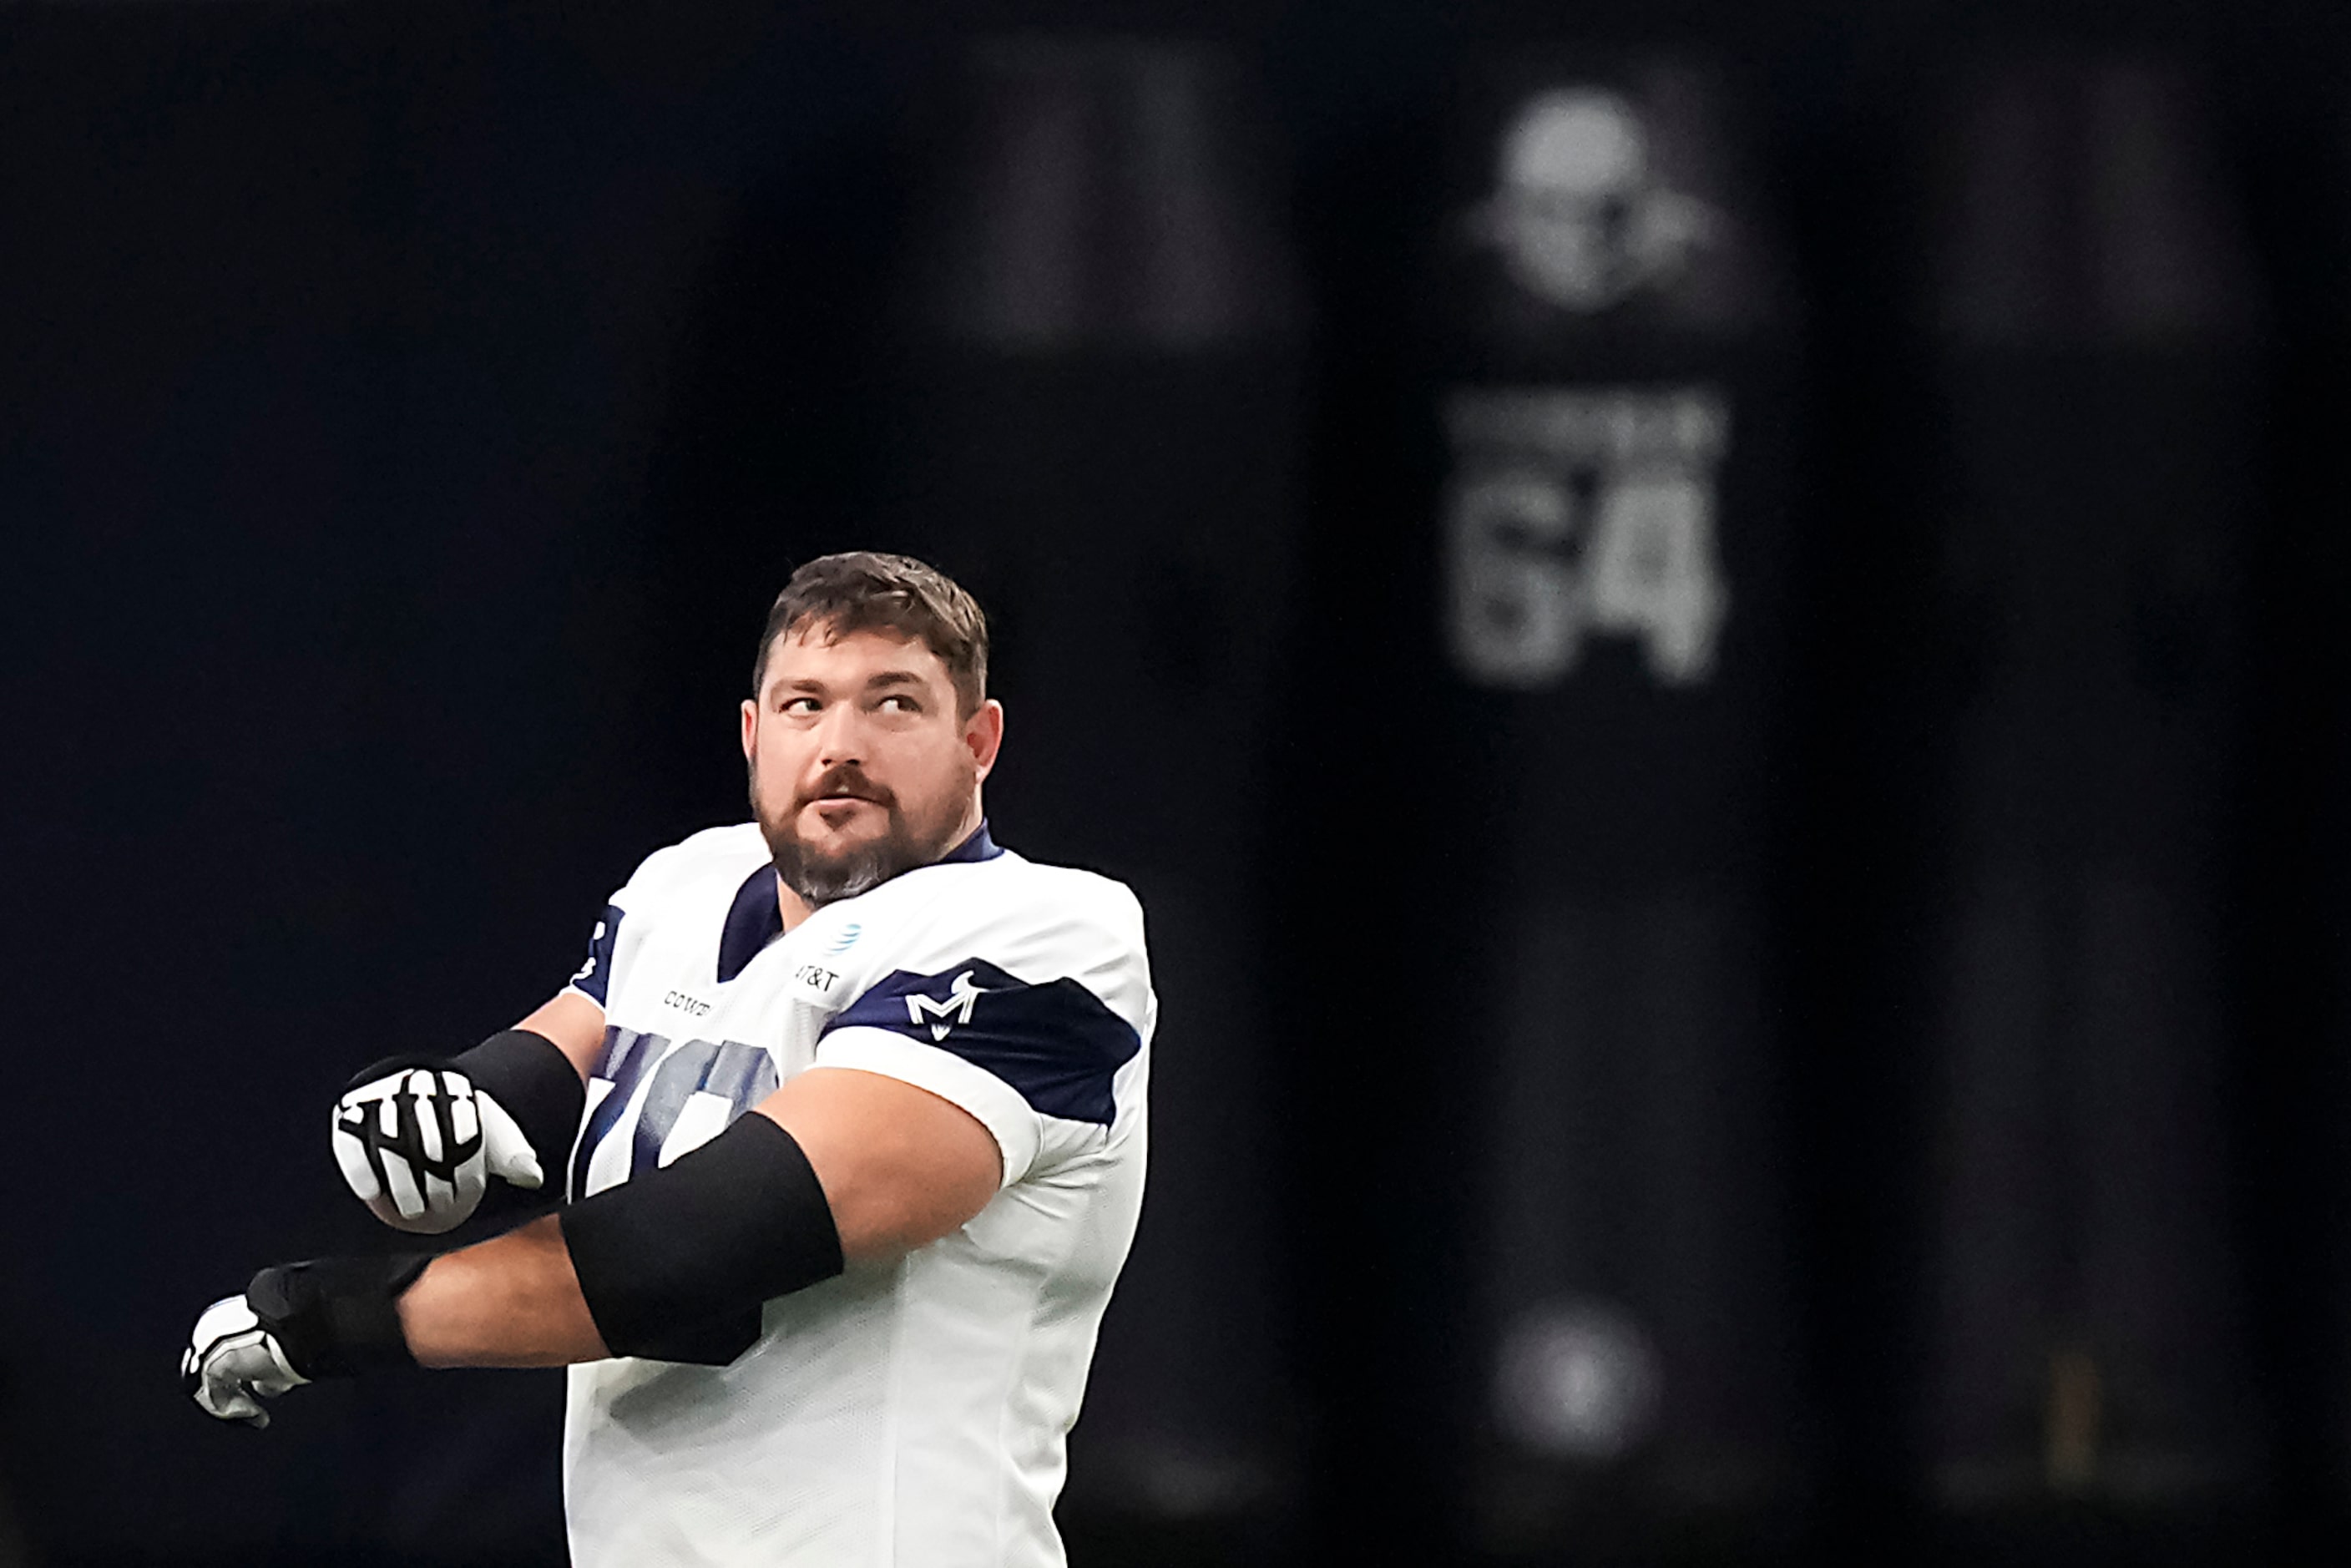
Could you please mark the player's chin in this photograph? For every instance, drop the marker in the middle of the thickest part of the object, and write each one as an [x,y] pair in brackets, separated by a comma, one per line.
[840,824]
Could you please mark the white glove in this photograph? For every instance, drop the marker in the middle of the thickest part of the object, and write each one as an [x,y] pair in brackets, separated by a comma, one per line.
[420,1144]
[231,1363]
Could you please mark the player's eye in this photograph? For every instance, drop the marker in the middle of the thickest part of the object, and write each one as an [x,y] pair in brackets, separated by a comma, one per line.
[799,705]
[903,703]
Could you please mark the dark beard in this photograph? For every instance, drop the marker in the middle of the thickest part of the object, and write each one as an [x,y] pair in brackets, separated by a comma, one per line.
[823,881]
[820,880]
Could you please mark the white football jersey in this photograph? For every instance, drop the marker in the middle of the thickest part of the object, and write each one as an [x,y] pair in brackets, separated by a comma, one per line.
[912,1414]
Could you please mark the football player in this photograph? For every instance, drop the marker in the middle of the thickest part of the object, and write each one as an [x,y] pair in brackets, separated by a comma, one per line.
[847,1106]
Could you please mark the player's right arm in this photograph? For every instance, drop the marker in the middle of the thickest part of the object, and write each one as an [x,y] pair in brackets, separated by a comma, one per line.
[421,1140]
[574,1022]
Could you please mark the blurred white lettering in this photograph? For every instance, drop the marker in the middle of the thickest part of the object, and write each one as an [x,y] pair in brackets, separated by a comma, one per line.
[1578,513]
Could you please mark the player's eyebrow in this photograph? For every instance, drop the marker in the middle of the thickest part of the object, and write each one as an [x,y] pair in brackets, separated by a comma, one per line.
[811,685]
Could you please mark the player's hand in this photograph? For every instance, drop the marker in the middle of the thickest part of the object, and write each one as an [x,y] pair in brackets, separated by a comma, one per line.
[234,1361]
[420,1144]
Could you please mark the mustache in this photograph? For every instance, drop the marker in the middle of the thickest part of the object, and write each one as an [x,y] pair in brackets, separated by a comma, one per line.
[847,778]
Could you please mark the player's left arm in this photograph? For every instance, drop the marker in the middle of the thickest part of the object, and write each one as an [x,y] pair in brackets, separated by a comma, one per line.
[837,1166]
[931,1092]
[898,1167]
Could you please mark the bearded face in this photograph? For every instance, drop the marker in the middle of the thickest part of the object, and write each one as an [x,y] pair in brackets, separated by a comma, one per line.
[862,764]
[846,852]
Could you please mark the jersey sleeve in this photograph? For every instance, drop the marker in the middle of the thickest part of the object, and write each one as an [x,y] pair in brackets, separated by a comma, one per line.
[614,940]
[594,978]
[1024,1012]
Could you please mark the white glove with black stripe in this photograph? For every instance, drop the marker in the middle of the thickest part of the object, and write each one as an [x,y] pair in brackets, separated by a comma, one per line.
[420,1143]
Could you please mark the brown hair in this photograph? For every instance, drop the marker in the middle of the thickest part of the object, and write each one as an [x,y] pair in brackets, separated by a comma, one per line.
[865,590]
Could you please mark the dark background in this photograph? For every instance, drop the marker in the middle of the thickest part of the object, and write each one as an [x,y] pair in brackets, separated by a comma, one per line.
[1922,1040]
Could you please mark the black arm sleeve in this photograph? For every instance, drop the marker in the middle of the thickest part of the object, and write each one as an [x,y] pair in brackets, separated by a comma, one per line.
[337,1317]
[530,1075]
[675,1263]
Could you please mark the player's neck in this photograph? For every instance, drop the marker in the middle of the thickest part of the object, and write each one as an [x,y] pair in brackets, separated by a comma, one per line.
[791,905]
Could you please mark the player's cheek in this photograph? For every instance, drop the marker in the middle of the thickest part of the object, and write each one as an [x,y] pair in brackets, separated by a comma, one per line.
[777,766]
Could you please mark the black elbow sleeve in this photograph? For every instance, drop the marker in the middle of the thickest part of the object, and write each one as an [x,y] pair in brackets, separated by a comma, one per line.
[674,1264]
[528,1075]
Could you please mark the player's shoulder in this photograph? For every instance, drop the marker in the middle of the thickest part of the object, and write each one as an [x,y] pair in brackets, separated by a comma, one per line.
[1059,950]
[713,857]
[1011,882]
[1009,894]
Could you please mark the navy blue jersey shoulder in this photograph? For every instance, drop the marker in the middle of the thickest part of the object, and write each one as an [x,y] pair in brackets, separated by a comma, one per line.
[1056,1043]
[595,977]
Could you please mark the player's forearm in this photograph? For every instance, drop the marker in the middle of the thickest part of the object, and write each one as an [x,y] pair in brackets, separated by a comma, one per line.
[511,1302]
[672,1265]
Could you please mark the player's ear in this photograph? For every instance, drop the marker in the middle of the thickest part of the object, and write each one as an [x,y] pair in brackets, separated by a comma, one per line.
[750,726]
[984,732]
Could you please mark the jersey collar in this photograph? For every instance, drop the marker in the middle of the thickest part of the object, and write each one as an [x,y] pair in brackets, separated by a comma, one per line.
[978,847]
[753,920]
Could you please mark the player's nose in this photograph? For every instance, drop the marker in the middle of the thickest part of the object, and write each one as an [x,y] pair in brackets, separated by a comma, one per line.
[839,737]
